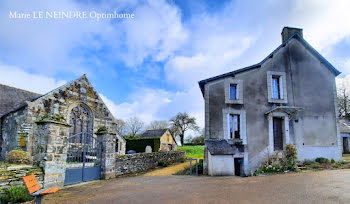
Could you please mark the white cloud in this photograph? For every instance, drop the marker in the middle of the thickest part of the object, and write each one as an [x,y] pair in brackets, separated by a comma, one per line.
[156,31]
[16,77]
[158,104]
[52,46]
[325,22]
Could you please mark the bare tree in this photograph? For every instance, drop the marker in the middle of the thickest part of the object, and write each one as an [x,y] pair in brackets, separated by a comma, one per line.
[120,127]
[343,92]
[134,126]
[158,124]
[181,123]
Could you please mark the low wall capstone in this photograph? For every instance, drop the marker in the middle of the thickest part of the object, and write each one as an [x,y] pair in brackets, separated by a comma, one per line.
[135,163]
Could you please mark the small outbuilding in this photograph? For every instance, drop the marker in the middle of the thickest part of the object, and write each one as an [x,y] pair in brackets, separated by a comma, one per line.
[344,125]
[167,141]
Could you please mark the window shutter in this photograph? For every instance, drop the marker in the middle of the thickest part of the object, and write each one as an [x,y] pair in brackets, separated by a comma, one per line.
[281,87]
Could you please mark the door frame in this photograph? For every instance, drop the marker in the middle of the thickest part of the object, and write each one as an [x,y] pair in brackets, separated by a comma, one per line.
[285,129]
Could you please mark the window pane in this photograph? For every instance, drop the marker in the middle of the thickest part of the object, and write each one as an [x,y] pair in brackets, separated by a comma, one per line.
[233,89]
[275,87]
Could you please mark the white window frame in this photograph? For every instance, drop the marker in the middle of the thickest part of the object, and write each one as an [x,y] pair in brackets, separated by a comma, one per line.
[234,124]
[226,112]
[239,91]
[285,127]
[282,87]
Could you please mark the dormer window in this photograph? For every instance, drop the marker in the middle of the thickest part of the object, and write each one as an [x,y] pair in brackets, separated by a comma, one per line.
[234,91]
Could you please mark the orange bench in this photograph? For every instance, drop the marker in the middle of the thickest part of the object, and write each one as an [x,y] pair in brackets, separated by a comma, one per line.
[34,189]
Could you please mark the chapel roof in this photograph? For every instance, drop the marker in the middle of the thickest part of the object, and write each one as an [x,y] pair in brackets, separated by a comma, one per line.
[12,98]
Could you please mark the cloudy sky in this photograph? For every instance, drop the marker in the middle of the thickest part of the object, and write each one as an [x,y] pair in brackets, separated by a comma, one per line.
[149,66]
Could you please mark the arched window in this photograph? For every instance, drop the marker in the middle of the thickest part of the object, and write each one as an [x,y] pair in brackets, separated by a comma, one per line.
[81,120]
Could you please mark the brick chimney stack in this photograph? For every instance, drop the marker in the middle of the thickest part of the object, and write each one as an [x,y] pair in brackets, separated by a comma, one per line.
[288,31]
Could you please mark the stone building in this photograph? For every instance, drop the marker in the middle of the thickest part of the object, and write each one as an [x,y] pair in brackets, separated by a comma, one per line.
[254,112]
[167,141]
[43,125]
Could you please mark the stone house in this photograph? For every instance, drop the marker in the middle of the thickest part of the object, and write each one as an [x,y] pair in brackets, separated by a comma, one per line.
[345,135]
[167,141]
[254,112]
[44,125]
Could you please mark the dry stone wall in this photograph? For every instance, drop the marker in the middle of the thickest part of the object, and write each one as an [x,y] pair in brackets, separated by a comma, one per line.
[12,176]
[135,163]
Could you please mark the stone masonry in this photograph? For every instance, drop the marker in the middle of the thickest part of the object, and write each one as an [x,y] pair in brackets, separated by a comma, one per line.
[52,151]
[135,163]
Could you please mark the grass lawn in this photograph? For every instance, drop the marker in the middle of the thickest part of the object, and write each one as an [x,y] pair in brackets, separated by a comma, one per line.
[193,151]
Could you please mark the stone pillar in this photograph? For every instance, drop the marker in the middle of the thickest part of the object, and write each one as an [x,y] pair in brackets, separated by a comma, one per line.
[108,154]
[52,140]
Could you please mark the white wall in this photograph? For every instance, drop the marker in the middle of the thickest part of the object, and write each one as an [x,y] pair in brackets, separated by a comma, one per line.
[311,153]
[220,165]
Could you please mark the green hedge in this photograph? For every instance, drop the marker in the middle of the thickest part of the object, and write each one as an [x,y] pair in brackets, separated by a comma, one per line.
[139,145]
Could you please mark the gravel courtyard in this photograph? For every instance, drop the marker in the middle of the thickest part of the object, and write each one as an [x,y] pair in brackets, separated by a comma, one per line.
[331,186]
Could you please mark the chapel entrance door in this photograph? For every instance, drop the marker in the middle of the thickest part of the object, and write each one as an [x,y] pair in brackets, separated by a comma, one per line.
[84,153]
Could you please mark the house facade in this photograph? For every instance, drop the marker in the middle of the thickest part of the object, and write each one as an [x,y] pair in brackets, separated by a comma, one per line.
[75,104]
[254,112]
[167,141]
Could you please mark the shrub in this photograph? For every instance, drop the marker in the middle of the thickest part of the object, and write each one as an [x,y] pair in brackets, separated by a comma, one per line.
[182,160]
[308,162]
[163,163]
[332,161]
[200,166]
[15,194]
[343,162]
[102,129]
[291,156]
[277,165]
[322,160]
[18,157]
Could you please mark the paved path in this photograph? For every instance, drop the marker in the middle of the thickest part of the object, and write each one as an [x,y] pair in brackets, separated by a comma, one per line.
[170,170]
[331,186]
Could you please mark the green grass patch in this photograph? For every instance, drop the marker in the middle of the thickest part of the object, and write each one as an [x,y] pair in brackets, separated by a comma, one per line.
[196,151]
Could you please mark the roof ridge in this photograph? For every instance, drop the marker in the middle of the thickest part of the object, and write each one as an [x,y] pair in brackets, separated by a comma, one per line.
[19,89]
[294,35]
[60,87]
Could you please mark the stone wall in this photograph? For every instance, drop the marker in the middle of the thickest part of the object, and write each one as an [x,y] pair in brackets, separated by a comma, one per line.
[135,163]
[12,176]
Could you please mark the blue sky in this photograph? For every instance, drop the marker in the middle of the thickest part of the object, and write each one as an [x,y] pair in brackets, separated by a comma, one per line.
[149,66]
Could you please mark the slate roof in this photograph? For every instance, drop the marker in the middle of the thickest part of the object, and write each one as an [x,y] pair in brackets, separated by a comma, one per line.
[219,147]
[153,133]
[12,98]
[258,65]
[344,125]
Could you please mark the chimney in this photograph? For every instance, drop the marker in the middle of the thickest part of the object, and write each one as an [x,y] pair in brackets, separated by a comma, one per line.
[288,31]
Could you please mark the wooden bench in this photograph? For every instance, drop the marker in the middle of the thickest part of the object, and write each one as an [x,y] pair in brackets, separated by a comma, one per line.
[34,189]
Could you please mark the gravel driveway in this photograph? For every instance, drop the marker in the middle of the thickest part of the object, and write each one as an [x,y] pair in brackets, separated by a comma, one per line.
[331,186]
